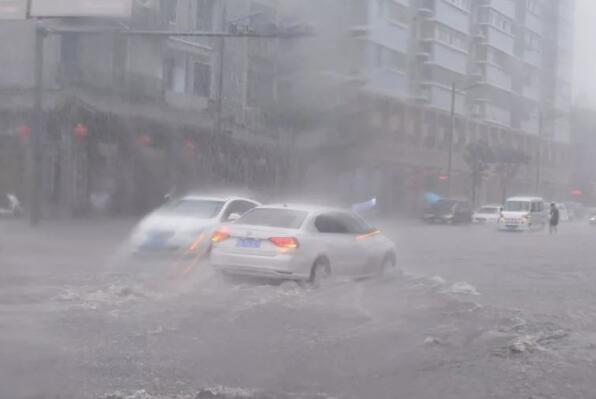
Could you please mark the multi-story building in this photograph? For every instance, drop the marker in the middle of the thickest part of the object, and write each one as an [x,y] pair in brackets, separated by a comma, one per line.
[509,60]
[156,112]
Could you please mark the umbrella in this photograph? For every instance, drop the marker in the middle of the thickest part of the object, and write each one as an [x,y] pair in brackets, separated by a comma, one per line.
[432,198]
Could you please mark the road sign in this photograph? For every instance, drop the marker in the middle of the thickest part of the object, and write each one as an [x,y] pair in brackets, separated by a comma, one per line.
[81,8]
[13,9]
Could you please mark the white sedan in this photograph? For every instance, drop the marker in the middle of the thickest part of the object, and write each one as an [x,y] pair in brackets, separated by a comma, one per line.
[488,214]
[186,224]
[300,243]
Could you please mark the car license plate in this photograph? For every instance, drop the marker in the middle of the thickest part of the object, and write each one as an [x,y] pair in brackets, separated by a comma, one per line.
[249,243]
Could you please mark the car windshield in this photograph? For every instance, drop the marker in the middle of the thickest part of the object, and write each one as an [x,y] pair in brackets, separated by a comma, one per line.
[273,217]
[489,210]
[517,206]
[202,209]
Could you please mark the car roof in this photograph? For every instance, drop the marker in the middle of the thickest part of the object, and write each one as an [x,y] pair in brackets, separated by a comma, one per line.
[305,208]
[525,199]
[222,199]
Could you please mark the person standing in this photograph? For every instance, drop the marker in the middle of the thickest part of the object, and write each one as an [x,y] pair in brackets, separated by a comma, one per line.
[554,218]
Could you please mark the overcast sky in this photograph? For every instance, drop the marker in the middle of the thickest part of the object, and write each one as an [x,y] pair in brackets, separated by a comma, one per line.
[585,51]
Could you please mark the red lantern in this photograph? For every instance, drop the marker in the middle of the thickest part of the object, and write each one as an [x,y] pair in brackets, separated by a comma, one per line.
[24,132]
[145,140]
[80,131]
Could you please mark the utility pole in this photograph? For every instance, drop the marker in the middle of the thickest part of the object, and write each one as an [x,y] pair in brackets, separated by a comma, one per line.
[539,152]
[220,82]
[450,138]
[38,132]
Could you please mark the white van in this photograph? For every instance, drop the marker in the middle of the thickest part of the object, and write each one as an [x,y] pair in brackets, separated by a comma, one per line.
[523,214]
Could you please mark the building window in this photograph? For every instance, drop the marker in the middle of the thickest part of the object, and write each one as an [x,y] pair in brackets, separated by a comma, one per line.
[395,12]
[204,14]
[201,79]
[532,41]
[388,58]
[496,19]
[168,10]
[451,37]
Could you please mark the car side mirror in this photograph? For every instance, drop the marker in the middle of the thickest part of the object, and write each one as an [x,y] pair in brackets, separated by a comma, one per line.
[233,217]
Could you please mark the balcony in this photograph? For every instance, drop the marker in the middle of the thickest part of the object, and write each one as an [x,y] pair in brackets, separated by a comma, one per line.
[533,58]
[496,38]
[439,96]
[388,81]
[452,16]
[496,77]
[447,57]
[533,22]
[485,110]
[505,7]
[531,92]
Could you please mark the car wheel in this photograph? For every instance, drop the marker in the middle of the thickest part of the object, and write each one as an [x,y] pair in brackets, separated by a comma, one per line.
[320,272]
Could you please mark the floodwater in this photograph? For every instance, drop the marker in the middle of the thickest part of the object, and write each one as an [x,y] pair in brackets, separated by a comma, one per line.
[468,313]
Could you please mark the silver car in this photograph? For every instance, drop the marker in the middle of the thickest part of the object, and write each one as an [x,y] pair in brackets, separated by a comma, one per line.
[186,224]
[300,243]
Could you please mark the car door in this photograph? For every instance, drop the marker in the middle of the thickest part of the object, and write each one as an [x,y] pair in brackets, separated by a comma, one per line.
[363,245]
[333,239]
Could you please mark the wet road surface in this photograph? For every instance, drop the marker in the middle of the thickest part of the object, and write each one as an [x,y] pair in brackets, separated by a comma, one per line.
[470,313]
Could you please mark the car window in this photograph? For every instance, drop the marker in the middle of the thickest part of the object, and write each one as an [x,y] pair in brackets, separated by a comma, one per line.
[239,206]
[517,206]
[341,223]
[205,209]
[354,224]
[329,223]
[273,217]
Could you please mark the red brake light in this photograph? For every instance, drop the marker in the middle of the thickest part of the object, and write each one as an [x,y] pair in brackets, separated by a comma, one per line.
[368,235]
[220,235]
[285,242]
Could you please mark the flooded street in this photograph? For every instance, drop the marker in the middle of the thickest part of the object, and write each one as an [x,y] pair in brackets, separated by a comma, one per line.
[470,313]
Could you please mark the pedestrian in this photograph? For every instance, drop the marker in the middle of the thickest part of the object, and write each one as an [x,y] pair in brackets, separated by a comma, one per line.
[554,218]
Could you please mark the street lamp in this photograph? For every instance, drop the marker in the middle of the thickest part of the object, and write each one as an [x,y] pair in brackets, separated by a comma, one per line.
[452,128]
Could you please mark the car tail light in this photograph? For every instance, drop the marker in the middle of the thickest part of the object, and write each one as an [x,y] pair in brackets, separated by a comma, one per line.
[285,242]
[220,235]
[368,235]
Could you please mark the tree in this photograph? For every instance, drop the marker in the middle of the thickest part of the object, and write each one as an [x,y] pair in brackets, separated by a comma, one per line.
[507,162]
[478,156]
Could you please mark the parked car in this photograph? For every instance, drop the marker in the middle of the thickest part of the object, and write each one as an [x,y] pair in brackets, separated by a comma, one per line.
[10,206]
[186,224]
[592,218]
[488,214]
[449,211]
[564,212]
[303,243]
[523,214]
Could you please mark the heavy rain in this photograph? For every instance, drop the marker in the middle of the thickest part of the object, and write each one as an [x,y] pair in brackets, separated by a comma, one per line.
[297,199]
